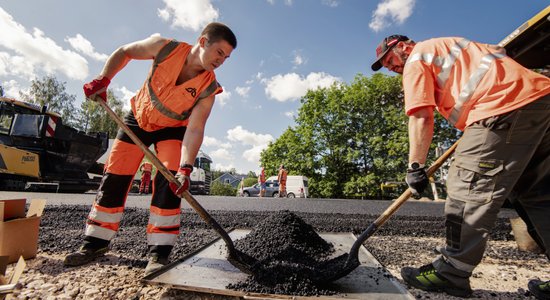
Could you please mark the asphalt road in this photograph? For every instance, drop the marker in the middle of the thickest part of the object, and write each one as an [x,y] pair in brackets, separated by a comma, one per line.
[214,203]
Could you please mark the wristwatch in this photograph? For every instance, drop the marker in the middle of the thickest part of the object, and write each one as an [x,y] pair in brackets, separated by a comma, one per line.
[415,166]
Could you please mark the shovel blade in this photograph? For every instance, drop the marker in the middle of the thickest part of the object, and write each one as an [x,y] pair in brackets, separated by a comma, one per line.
[336,268]
[242,261]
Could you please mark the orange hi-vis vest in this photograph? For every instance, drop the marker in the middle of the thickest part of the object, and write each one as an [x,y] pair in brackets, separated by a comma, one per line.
[467,81]
[160,103]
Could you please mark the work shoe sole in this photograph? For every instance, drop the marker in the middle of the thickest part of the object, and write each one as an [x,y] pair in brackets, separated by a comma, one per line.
[433,283]
[540,289]
[84,256]
[154,264]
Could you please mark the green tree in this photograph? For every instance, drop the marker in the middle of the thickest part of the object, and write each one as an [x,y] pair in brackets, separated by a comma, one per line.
[93,118]
[1,91]
[52,93]
[222,189]
[250,181]
[350,138]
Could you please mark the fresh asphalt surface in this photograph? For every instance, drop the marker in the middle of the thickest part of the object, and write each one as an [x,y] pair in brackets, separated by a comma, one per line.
[424,207]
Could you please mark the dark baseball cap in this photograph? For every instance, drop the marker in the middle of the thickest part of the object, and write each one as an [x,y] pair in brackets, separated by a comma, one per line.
[386,46]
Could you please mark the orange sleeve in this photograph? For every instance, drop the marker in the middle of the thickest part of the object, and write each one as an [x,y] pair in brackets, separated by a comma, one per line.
[418,86]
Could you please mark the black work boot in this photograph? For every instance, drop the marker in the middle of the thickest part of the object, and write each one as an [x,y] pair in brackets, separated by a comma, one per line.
[428,279]
[156,262]
[84,255]
[539,289]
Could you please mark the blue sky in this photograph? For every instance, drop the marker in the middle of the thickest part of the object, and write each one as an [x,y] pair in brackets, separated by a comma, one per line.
[284,48]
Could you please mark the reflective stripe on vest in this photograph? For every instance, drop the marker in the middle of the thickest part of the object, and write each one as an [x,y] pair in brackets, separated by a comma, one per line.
[447,63]
[157,104]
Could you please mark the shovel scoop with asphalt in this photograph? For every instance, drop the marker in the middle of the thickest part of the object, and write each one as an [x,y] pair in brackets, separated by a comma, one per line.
[342,265]
[240,260]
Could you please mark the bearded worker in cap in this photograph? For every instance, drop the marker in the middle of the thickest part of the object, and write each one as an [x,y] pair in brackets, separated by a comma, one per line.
[503,110]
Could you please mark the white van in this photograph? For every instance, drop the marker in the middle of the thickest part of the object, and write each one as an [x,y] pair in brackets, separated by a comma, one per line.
[296,186]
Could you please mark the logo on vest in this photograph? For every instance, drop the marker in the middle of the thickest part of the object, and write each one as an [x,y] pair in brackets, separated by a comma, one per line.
[192,91]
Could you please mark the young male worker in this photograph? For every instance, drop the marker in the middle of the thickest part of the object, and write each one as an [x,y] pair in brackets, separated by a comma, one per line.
[170,111]
[504,111]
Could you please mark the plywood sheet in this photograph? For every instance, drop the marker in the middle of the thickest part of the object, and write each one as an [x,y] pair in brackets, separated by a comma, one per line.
[208,271]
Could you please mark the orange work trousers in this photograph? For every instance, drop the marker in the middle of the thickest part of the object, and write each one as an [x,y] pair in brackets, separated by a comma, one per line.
[123,162]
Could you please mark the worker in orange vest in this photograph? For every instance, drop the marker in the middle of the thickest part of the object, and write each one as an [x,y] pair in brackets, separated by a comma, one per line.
[169,111]
[261,181]
[146,169]
[503,110]
[281,177]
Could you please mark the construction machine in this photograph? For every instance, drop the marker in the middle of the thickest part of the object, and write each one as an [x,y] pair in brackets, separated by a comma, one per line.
[39,153]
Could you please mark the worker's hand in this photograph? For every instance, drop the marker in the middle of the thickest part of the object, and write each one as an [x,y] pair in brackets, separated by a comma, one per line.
[417,180]
[183,177]
[97,88]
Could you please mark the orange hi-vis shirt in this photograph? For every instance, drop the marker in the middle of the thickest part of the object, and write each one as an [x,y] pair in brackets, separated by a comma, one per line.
[468,81]
[147,167]
[179,99]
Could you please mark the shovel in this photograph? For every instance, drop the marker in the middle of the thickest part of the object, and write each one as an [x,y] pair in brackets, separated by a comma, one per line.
[342,265]
[240,260]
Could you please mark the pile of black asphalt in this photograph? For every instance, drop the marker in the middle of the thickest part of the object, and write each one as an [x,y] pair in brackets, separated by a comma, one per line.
[289,254]
[61,230]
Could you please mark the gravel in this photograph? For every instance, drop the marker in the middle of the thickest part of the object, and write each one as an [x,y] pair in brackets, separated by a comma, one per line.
[402,241]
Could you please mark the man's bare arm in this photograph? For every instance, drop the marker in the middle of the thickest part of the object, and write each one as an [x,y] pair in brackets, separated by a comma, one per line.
[421,127]
[145,49]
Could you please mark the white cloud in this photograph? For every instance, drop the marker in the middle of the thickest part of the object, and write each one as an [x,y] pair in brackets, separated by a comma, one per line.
[299,59]
[223,167]
[331,3]
[290,114]
[213,142]
[258,142]
[81,44]
[221,154]
[245,137]
[287,2]
[223,98]
[15,65]
[292,86]
[11,89]
[242,90]
[253,154]
[390,11]
[126,96]
[38,52]
[188,14]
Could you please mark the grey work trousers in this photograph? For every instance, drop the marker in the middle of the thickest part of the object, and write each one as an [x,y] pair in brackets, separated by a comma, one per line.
[506,156]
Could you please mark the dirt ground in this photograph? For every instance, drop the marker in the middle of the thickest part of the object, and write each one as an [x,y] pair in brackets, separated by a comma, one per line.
[503,273]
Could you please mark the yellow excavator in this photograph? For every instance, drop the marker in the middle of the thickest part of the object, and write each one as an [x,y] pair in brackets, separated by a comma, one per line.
[39,153]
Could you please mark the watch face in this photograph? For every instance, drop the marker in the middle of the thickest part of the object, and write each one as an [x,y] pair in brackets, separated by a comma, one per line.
[415,165]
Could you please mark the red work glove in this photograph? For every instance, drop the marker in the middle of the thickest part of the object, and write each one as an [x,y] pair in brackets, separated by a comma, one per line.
[97,88]
[183,177]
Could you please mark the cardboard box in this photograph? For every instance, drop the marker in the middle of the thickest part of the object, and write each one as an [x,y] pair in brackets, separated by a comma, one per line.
[19,236]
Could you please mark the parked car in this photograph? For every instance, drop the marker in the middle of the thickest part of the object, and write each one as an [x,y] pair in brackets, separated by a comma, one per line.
[296,186]
[271,190]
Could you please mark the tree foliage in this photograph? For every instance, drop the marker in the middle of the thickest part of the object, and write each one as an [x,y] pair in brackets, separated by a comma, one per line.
[222,189]
[52,93]
[349,138]
[93,118]
[250,181]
